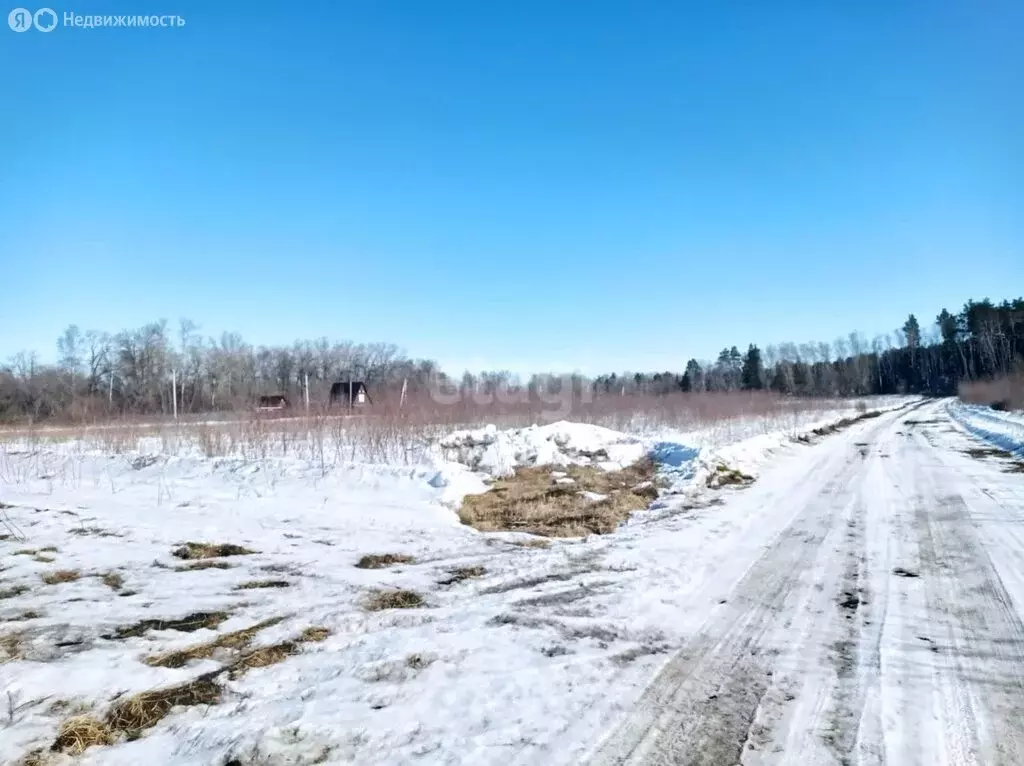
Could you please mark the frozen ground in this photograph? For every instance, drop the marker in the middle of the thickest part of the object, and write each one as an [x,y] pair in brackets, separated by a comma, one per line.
[543,655]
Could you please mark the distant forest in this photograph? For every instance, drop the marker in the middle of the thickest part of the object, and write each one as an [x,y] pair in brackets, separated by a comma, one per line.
[131,372]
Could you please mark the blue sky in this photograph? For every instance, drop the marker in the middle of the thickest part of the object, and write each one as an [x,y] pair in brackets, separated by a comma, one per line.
[530,185]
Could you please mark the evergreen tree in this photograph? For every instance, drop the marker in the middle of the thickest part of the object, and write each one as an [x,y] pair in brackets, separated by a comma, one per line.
[752,375]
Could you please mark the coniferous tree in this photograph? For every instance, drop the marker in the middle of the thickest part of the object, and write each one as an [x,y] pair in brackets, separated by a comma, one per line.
[752,375]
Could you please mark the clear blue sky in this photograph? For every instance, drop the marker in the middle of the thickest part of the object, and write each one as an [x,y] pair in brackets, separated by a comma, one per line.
[594,185]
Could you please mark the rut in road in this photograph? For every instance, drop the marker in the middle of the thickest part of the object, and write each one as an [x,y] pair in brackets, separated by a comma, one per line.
[701,709]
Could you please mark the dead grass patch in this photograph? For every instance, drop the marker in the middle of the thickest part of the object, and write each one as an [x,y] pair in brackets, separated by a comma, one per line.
[254,584]
[392,599]
[193,550]
[94,531]
[78,733]
[537,542]
[204,564]
[462,573]
[236,640]
[382,560]
[314,634]
[61,575]
[724,476]
[186,624]
[12,647]
[533,501]
[30,614]
[113,580]
[14,590]
[143,711]
[37,757]
[264,656]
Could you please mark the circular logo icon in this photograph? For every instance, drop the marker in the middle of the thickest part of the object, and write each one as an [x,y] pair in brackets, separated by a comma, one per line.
[20,20]
[45,20]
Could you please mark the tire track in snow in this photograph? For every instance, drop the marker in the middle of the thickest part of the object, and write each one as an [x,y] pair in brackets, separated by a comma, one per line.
[703,706]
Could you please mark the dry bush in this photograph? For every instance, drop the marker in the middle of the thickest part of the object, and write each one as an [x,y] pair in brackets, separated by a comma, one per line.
[1005,393]
[81,732]
[61,575]
[392,599]
[533,501]
[192,550]
[382,560]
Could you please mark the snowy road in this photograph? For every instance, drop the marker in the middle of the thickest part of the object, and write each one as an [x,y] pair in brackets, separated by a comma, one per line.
[880,623]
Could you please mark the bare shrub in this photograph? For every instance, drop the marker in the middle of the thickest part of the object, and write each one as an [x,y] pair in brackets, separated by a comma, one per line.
[1005,393]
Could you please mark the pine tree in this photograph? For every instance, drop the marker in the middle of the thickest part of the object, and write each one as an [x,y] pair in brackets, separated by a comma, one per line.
[752,375]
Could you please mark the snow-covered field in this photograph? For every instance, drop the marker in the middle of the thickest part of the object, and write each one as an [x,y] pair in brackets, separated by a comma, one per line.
[517,654]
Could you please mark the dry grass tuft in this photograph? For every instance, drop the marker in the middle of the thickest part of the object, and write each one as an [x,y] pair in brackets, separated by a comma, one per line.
[44,559]
[113,580]
[11,647]
[61,575]
[142,711]
[49,549]
[314,634]
[192,550]
[532,501]
[724,476]
[81,732]
[25,552]
[186,624]
[203,564]
[392,599]
[264,656]
[236,640]
[253,584]
[271,655]
[463,573]
[37,757]
[381,560]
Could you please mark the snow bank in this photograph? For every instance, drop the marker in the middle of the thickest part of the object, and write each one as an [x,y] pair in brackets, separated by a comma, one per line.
[1004,430]
[499,453]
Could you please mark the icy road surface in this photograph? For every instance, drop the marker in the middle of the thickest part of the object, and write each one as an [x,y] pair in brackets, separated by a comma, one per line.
[880,624]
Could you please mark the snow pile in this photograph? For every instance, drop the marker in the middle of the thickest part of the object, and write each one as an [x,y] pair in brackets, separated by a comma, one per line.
[498,453]
[1004,430]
